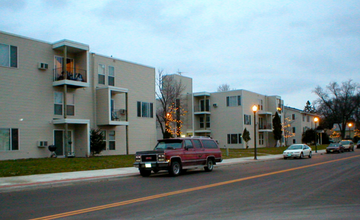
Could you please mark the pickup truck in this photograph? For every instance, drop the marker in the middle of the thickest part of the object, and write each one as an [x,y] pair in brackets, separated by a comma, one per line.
[176,155]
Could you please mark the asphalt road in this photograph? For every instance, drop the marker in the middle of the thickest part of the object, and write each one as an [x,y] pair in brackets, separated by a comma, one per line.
[323,187]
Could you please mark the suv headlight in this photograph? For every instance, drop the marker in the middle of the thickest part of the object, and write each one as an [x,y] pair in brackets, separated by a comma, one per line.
[161,157]
[137,158]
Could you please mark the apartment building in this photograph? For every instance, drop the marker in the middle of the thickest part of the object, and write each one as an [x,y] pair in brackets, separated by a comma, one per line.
[296,122]
[224,115]
[55,93]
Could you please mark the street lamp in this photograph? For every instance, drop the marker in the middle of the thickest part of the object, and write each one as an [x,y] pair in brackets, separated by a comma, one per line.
[316,119]
[254,109]
[350,125]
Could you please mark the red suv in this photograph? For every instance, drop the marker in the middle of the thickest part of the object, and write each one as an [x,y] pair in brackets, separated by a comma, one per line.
[179,154]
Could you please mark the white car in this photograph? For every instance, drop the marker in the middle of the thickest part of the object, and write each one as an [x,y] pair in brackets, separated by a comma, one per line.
[297,151]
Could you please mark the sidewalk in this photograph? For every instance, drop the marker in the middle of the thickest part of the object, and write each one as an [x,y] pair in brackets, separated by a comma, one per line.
[18,182]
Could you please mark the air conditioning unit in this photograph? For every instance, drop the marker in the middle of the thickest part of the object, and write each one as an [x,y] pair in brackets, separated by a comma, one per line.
[43,66]
[123,111]
[42,143]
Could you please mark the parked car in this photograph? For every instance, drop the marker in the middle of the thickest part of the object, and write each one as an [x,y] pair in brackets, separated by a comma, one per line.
[348,145]
[297,151]
[335,147]
[177,155]
[358,144]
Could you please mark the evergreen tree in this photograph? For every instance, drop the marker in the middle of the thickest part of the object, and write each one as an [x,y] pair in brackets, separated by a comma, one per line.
[97,143]
[246,137]
[277,127]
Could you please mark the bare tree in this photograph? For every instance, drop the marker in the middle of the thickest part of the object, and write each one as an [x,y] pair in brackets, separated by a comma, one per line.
[223,88]
[338,104]
[169,111]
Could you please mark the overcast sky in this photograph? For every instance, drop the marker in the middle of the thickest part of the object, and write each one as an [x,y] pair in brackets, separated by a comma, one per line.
[283,48]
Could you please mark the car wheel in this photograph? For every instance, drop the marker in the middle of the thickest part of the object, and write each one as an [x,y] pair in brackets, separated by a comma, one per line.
[310,154]
[175,168]
[145,173]
[285,158]
[352,149]
[209,165]
[301,155]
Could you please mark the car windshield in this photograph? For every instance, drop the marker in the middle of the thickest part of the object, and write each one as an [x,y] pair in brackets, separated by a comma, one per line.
[333,145]
[345,142]
[169,144]
[295,147]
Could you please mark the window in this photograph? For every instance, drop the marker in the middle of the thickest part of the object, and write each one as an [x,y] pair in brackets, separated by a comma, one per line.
[188,144]
[293,117]
[247,119]
[58,103]
[111,140]
[8,55]
[261,138]
[70,104]
[308,118]
[303,117]
[9,139]
[294,141]
[232,101]
[234,139]
[101,74]
[201,119]
[111,77]
[103,132]
[209,144]
[204,105]
[293,130]
[208,121]
[145,109]
[197,144]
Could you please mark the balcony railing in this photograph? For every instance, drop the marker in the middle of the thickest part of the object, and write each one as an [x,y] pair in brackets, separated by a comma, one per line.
[266,126]
[118,115]
[198,108]
[76,75]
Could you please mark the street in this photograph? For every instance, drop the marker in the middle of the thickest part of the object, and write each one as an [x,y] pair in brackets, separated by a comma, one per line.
[323,187]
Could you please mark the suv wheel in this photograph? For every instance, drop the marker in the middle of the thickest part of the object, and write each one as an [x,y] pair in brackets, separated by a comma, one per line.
[175,168]
[145,173]
[209,165]
[310,154]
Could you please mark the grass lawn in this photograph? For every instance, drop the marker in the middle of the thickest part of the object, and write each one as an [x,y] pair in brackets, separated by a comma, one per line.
[56,165]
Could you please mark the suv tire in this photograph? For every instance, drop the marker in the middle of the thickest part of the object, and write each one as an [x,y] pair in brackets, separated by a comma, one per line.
[175,168]
[209,165]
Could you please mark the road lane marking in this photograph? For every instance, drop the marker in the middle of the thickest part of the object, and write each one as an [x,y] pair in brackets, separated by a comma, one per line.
[147,198]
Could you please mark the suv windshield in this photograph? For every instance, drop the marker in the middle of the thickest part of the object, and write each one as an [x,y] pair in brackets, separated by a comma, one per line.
[169,145]
[345,142]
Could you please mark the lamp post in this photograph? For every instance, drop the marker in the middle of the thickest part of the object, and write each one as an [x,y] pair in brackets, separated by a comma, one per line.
[350,125]
[254,109]
[316,119]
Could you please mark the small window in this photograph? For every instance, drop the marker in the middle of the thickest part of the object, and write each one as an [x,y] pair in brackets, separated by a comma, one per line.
[188,144]
[145,109]
[247,119]
[293,117]
[9,139]
[103,132]
[58,103]
[294,141]
[70,104]
[209,144]
[111,77]
[101,74]
[294,130]
[8,55]
[111,140]
[197,144]
[232,101]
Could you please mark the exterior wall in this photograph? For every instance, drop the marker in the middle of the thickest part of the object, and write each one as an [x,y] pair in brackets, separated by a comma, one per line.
[139,80]
[27,99]
[225,120]
[299,121]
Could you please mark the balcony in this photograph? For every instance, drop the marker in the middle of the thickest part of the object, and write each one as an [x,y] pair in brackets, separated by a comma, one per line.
[265,127]
[118,115]
[200,109]
[111,108]
[75,78]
